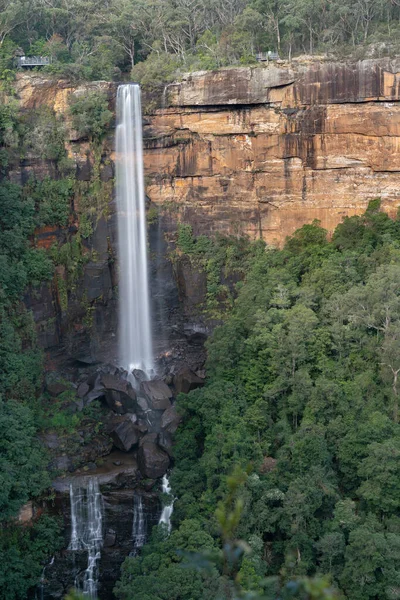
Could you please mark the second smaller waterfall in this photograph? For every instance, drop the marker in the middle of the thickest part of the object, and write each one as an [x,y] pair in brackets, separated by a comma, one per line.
[139,524]
[169,507]
[87,531]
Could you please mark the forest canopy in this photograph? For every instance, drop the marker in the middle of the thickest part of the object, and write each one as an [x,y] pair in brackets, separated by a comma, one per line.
[99,40]
[302,393]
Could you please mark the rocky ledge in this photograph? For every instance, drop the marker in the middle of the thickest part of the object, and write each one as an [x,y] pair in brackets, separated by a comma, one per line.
[126,452]
[264,150]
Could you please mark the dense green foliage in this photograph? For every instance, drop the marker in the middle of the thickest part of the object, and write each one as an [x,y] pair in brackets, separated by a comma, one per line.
[23,462]
[20,266]
[88,39]
[90,115]
[23,465]
[23,550]
[303,386]
[52,198]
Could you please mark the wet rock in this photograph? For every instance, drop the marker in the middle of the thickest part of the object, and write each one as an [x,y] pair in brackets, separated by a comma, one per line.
[153,462]
[61,463]
[157,394]
[139,375]
[110,538]
[165,442]
[149,437]
[170,420]
[96,388]
[142,403]
[120,395]
[125,435]
[186,380]
[143,426]
[83,389]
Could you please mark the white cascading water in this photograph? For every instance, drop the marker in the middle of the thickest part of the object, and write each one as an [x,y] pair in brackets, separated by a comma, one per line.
[87,531]
[136,349]
[139,524]
[42,582]
[168,508]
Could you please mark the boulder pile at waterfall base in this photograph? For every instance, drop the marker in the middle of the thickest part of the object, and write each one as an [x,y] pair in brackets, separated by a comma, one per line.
[137,417]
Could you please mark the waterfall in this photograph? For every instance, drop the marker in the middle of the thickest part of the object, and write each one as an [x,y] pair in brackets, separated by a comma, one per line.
[87,531]
[42,582]
[134,305]
[168,508]
[139,524]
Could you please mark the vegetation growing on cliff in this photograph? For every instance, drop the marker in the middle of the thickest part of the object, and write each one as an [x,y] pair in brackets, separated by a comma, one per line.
[303,390]
[224,260]
[23,461]
[90,115]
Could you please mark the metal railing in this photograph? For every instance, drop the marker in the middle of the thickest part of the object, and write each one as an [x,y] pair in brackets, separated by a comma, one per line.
[33,61]
[265,56]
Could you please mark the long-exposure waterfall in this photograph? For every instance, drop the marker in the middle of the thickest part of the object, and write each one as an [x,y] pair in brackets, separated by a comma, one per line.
[87,531]
[139,524]
[169,507]
[134,308]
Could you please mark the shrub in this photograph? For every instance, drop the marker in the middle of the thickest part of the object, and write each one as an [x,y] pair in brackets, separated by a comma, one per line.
[23,463]
[90,115]
[52,199]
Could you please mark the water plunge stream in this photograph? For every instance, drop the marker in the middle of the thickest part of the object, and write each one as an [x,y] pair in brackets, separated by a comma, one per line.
[87,531]
[169,507]
[136,349]
[139,524]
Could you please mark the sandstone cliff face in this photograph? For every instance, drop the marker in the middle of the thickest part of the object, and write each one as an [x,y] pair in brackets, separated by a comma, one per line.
[264,150]
[243,150]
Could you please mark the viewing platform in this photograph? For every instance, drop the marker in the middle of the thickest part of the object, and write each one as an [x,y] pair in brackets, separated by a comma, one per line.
[267,56]
[32,61]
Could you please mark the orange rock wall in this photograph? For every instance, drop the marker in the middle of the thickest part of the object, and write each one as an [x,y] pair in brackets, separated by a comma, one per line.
[264,150]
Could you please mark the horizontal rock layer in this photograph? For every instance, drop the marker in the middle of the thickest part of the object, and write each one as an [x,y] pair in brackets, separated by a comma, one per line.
[262,151]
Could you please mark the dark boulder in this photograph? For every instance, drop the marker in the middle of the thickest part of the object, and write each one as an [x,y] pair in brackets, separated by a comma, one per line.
[157,394]
[165,442]
[142,425]
[96,389]
[153,462]
[142,403]
[170,420]
[125,435]
[119,393]
[83,389]
[51,441]
[149,437]
[110,538]
[186,380]
[139,375]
